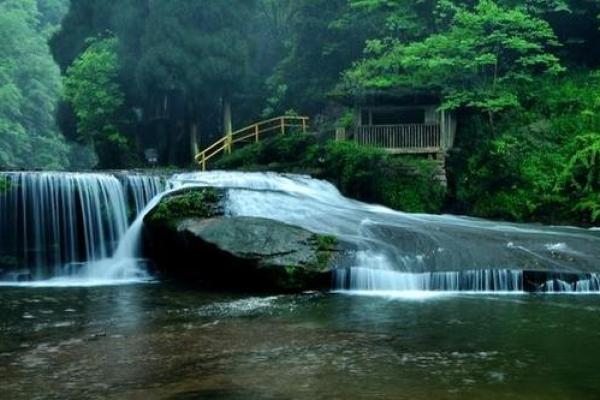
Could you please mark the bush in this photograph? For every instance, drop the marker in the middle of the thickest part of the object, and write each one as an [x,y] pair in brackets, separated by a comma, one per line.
[364,173]
[290,150]
[354,169]
[410,184]
[542,165]
[581,176]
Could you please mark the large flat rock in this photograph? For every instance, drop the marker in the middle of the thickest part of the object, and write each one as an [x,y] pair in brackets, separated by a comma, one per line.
[188,237]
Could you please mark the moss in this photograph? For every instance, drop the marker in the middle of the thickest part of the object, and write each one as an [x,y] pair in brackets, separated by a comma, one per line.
[326,246]
[325,242]
[188,203]
[295,278]
[314,275]
[365,173]
[4,184]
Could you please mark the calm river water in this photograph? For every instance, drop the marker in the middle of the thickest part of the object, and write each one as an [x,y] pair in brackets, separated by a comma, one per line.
[158,341]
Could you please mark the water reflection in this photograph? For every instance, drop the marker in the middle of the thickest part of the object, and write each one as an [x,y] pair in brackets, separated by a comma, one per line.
[157,341]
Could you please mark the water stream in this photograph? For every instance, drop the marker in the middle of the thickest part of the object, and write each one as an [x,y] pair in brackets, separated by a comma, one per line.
[73,229]
[71,226]
[170,342]
[431,307]
[399,252]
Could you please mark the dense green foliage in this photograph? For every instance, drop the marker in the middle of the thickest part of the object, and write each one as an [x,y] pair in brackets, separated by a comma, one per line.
[364,173]
[179,64]
[192,203]
[139,75]
[92,89]
[544,163]
[29,87]
[477,63]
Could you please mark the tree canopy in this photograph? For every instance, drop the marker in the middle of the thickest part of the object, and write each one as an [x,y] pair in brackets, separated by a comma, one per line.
[30,87]
[172,76]
[479,62]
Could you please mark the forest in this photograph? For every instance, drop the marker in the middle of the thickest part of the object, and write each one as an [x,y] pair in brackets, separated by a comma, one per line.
[92,84]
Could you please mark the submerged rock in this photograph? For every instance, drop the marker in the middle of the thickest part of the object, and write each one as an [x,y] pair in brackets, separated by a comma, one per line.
[187,236]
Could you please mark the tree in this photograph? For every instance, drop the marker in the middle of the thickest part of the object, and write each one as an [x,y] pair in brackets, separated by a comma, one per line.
[478,63]
[92,89]
[581,175]
[29,90]
[323,39]
[180,63]
[194,58]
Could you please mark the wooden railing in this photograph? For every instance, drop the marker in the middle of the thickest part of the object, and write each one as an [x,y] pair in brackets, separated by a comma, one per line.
[401,139]
[249,134]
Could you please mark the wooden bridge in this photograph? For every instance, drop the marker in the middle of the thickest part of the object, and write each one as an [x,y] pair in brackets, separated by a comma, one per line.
[251,134]
[428,138]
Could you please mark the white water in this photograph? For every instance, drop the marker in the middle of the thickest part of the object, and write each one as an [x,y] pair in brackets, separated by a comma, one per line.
[367,279]
[70,229]
[142,189]
[389,251]
[403,253]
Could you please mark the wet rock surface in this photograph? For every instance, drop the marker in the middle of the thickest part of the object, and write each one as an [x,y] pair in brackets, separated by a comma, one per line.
[188,237]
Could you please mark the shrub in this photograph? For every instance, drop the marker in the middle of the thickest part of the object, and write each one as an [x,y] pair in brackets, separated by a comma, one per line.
[581,176]
[364,173]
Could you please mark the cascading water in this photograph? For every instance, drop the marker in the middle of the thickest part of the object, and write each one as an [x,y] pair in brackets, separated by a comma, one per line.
[57,224]
[390,251]
[396,251]
[142,189]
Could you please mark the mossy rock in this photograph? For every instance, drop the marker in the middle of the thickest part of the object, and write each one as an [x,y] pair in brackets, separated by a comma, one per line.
[187,203]
[279,256]
[189,238]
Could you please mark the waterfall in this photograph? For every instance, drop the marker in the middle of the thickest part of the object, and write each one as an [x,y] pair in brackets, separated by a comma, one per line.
[142,188]
[75,226]
[395,251]
[589,283]
[365,279]
[57,224]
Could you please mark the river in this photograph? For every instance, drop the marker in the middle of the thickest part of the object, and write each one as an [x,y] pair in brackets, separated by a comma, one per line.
[158,341]
[420,307]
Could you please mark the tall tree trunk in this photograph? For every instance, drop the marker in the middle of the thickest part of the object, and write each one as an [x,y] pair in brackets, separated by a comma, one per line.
[492,123]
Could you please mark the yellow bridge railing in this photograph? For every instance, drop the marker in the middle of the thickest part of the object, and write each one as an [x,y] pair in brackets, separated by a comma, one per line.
[252,133]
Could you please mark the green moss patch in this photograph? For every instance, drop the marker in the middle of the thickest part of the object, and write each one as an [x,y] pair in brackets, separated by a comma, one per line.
[188,203]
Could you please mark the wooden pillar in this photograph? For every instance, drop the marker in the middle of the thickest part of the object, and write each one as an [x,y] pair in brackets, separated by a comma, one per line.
[194,140]
[227,124]
[443,130]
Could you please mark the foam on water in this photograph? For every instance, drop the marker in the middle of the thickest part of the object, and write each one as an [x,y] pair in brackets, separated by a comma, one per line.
[399,252]
[387,251]
[65,229]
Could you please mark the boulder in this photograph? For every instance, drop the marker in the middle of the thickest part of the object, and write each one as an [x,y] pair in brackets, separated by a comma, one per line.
[187,236]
